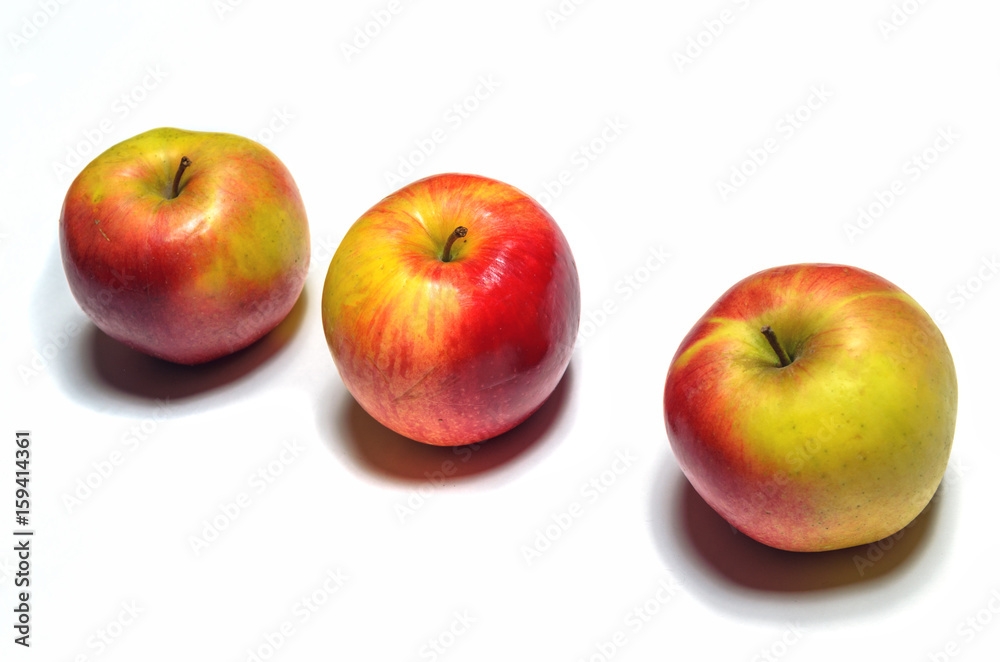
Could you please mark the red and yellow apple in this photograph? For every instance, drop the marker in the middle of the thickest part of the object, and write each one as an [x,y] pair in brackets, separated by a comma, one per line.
[451,309]
[185,245]
[813,406]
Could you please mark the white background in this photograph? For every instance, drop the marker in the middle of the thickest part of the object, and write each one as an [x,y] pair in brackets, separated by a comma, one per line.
[535,88]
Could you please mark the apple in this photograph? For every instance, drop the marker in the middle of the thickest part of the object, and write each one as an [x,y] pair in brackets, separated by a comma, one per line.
[813,407]
[185,245]
[451,309]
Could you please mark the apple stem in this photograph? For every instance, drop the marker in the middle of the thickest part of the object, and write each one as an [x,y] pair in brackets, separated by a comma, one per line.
[459,232]
[778,349]
[185,162]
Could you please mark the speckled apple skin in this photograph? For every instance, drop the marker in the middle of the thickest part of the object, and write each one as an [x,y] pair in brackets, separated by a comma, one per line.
[450,353]
[189,278]
[844,446]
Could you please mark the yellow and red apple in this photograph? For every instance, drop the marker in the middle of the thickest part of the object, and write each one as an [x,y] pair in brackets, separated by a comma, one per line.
[813,406]
[451,309]
[185,245]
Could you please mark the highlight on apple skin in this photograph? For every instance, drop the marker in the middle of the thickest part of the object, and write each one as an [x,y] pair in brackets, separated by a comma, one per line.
[844,445]
[451,309]
[185,245]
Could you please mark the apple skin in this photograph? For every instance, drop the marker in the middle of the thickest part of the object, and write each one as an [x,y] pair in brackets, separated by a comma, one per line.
[451,353]
[192,278]
[844,446]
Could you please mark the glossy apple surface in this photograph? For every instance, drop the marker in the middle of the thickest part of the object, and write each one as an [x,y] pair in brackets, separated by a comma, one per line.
[192,277]
[458,351]
[843,446]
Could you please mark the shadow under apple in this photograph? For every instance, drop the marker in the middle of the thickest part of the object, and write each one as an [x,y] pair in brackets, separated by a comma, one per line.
[745,562]
[120,368]
[380,451]
[740,575]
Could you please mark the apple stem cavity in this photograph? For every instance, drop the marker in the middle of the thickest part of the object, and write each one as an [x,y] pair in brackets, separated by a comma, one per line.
[185,162]
[776,346]
[459,232]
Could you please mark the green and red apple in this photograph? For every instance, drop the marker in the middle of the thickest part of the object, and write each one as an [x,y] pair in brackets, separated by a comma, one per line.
[813,406]
[185,245]
[451,309]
